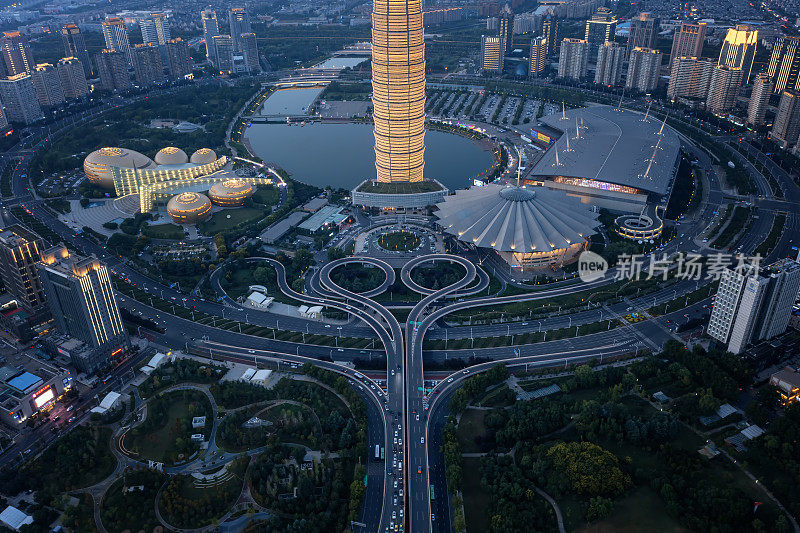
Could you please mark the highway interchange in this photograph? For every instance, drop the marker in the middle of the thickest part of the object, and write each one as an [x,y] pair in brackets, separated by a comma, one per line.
[406,406]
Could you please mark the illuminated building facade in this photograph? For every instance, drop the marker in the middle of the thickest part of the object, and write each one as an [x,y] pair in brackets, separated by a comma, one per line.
[230,193]
[130,172]
[189,207]
[492,54]
[116,37]
[506,26]
[784,64]
[155,29]
[73,77]
[688,41]
[643,33]
[28,390]
[550,32]
[17,54]
[82,302]
[19,254]
[210,30]
[75,46]
[538,60]
[600,29]
[19,99]
[739,49]
[398,89]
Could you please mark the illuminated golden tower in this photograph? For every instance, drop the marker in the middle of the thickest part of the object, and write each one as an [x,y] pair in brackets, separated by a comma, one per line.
[398,89]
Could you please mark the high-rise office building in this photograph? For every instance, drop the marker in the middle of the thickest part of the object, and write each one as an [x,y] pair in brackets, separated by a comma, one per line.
[786,127]
[550,32]
[784,64]
[112,67]
[398,89]
[19,253]
[688,41]
[81,300]
[73,78]
[506,27]
[573,59]
[610,57]
[17,54]
[210,30]
[179,63]
[147,66]
[600,29]
[155,29]
[239,22]
[47,84]
[19,99]
[759,98]
[690,77]
[250,52]
[223,53]
[116,36]
[644,68]
[75,46]
[723,88]
[751,306]
[643,32]
[739,49]
[3,121]
[492,56]
[538,59]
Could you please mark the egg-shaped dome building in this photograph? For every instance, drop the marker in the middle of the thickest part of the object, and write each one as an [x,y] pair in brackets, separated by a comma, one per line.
[171,156]
[189,207]
[230,193]
[529,227]
[97,164]
[203,156]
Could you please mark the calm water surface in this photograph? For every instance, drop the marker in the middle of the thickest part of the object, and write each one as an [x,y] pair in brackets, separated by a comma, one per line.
[342,155]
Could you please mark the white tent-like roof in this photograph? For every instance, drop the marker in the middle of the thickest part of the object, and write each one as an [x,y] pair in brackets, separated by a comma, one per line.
[516,219]
[14,518]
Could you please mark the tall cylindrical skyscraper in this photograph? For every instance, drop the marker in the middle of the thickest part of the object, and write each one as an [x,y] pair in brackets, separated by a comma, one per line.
[398,89]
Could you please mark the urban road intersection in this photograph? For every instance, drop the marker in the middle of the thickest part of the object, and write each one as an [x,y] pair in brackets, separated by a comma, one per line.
[405,398]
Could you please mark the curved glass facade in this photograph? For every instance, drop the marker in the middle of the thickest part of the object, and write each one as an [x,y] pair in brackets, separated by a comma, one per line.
[398,89]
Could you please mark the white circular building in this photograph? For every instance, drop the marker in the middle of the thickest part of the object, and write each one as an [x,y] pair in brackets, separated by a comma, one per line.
[203,156]
[189,207]
[98,165]
[529,227]
[230,192]
[171,155]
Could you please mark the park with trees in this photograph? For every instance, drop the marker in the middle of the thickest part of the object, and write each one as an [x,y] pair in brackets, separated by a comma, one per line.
[611,457]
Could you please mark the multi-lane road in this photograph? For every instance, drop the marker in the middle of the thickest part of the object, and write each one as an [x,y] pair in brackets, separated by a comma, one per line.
[406,418]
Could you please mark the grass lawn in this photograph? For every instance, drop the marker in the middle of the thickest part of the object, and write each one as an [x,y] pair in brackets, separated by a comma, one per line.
[641,510]
[476,500]
[495,397]
[400,188]
[266,195]
[399,241]
[471,426]
[160,442]
[229,218]
[165,231]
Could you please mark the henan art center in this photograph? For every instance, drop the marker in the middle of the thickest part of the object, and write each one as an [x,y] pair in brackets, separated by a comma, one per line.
[398,89]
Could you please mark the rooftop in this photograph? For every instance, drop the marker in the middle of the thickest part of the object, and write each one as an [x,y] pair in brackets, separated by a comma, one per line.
[516,219]
[400,187]
[611,146]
